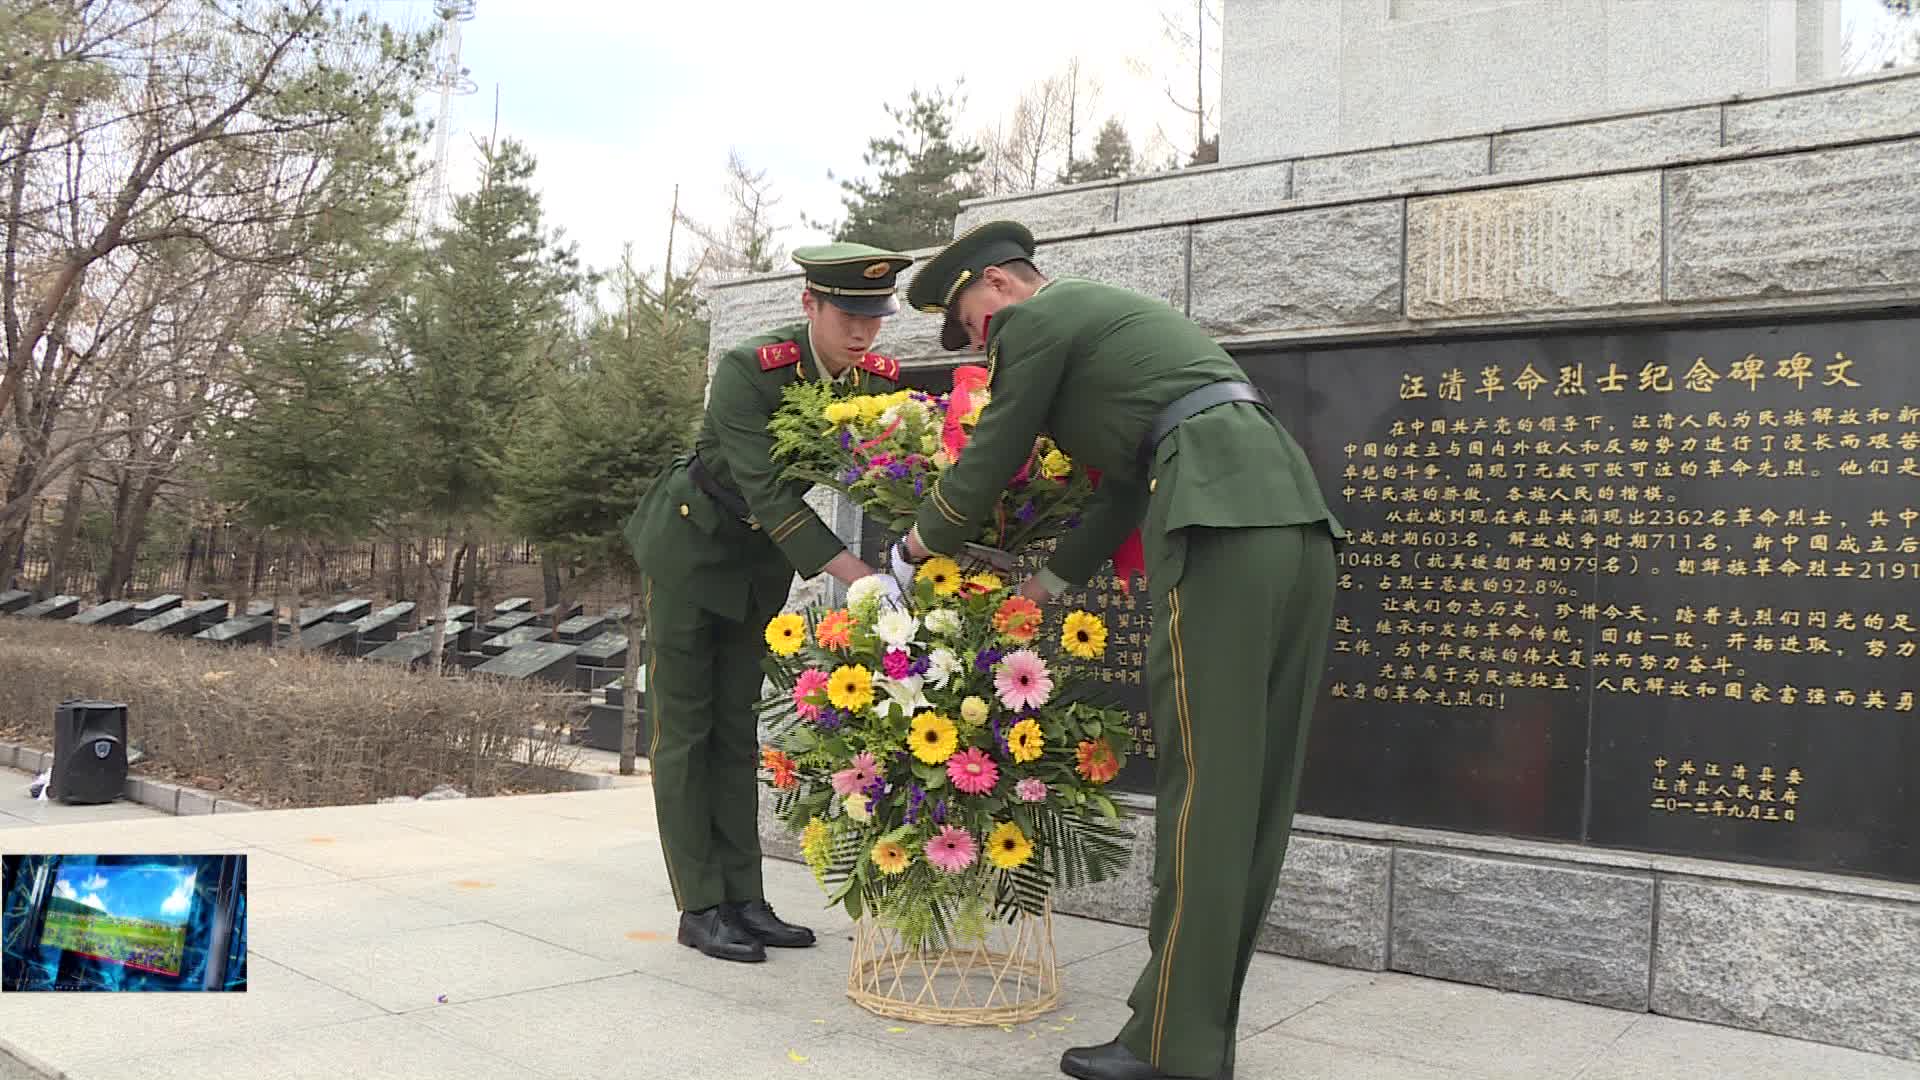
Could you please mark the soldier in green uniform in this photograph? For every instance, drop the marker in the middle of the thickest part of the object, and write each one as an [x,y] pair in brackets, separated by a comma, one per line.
[1239,547]
[718,539]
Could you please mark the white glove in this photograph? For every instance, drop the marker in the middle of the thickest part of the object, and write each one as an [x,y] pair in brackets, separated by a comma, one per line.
[903,571]
[881,587]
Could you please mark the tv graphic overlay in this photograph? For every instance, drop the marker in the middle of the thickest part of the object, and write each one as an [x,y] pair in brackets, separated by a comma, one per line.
[124,922]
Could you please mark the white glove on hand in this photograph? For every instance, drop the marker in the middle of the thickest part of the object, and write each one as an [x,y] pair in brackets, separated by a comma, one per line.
[880,587]
[903,571]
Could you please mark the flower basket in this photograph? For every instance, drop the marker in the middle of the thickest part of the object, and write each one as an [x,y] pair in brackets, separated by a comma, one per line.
[1006,975]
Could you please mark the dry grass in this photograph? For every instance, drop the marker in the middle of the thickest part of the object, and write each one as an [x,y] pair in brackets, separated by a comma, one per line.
[278,729]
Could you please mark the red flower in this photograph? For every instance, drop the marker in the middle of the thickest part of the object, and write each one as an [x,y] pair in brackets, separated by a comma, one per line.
[785,772]
[1097,761]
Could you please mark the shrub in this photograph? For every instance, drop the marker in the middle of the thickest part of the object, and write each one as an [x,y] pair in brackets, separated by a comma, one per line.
[275,728]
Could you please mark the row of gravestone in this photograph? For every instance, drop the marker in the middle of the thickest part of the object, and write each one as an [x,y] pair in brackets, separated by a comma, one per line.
[568,647]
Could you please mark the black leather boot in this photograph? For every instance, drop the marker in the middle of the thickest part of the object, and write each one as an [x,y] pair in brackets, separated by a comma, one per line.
[759,920]
[1112,1061]
[715,932]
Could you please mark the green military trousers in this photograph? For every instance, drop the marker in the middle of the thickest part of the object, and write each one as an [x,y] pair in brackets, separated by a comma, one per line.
[703,681]
[1233,668]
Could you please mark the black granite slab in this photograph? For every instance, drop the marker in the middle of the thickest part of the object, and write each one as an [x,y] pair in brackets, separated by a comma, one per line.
[111,613]
[547,661]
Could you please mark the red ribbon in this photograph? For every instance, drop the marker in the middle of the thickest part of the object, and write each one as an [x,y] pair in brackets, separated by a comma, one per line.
[1130,557]
[882,437]
[966,379]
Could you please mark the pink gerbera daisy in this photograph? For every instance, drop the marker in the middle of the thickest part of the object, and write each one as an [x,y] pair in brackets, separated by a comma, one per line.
[856,776]
[952,850]
[1031,789]
[972,771]
[898,664]
[1023,681]
[810,683]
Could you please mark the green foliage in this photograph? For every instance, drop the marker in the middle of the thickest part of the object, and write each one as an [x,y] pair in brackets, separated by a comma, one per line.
[1112,157]
[602,432]
[923,174]
[479,331]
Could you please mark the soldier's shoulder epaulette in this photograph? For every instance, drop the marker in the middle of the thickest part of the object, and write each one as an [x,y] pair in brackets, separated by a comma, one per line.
[778,355]
[884,366]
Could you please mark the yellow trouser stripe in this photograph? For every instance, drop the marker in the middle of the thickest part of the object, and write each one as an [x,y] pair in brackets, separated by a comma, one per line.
[1185,719]
[653,708]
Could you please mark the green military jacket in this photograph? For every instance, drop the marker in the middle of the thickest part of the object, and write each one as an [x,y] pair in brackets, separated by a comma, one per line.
[683,535]
[1093,365]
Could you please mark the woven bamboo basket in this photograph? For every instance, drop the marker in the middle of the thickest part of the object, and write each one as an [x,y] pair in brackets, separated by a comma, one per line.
[1007,976]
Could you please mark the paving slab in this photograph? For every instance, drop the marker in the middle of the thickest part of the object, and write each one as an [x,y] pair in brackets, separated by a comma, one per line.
[533,937]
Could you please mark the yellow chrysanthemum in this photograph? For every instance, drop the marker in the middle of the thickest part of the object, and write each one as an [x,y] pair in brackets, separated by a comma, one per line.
[850,688]
[974,710]
[1026,741]
[841,412]
[1008,847]
[890,857]
[943,572]
[933,738]
[987,582]
[870,406]
[1055,465]
[786,633]
[1084,635]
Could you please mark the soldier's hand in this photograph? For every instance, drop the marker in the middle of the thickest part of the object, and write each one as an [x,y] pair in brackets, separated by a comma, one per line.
[902,570]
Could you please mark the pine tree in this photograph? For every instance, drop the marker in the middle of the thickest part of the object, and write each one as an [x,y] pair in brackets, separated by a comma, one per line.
[1112,157]
[923,177]
[603,432]
[483,323]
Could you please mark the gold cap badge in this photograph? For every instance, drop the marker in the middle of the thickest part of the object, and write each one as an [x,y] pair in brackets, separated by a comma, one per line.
[875,271]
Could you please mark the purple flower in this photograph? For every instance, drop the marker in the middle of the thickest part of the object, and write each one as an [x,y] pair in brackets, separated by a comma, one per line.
[916,797]
[940,812]
[984,662]
[920,666]
[1073,521]
[919,486]
[852,475]
[846,439]
[898,471]
[1025,513]
[830,719]
[999,739]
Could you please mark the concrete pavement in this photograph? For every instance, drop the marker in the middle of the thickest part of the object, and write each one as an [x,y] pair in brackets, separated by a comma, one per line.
[532,937]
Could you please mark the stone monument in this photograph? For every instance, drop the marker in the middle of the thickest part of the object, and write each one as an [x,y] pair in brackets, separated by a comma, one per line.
[1308,77]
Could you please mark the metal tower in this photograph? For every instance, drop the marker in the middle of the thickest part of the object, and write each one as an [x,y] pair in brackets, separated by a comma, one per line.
[451,79]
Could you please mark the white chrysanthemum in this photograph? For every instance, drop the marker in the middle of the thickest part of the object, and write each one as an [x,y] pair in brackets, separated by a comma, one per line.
[942,665]
[896,628]
[871,587]
[944,621]
[856,806]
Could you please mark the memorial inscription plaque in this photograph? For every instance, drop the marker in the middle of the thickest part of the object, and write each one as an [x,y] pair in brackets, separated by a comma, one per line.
[1654,589]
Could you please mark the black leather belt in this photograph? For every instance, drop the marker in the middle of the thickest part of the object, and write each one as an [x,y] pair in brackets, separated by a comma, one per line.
[1195,402]
[728,498]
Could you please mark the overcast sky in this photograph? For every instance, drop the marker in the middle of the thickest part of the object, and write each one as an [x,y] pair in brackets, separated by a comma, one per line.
[620,100]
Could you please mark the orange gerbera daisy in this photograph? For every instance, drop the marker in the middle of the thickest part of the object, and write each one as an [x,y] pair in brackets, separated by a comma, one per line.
[835,630]
[1096,761]
[785,772]
[1018,619]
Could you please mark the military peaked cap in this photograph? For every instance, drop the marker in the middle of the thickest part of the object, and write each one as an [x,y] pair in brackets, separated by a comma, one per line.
[938,284]
[854,277]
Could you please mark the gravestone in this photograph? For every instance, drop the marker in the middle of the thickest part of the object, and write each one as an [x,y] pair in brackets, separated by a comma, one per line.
[466,660]
[259,607]
[13,600]
[159,605]
[500,624]
[617,615]
[179,621]
[240,630]
[513,639]
[384,625]
[325,636]
[560,613]
[547,661]
[581,628]
[602,660]
[350,610]
[458,613]
[111,613]
[53,607]
[513,604]
[602,731]
[415,646]
[313,616]
[616,690]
